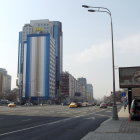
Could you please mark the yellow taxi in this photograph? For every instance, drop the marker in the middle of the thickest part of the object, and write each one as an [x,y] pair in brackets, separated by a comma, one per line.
[12,105]
[73,105]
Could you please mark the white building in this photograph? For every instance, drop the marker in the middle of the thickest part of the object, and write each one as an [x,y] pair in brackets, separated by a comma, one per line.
[89,92]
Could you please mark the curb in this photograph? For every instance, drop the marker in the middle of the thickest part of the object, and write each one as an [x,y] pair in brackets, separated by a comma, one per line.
[106,121]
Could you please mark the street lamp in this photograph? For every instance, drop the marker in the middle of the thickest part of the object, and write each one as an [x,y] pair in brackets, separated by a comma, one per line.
[106,10]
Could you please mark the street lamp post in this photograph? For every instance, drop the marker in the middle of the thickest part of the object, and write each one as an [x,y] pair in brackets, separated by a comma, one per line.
[106,10]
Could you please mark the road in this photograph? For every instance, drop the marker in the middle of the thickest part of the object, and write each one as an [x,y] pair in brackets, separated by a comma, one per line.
[51,122]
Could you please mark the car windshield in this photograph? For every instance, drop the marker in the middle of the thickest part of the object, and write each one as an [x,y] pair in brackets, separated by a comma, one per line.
[73,103]
[137,104]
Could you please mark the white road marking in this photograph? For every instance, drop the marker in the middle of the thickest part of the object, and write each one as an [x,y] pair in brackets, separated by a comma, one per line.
[60,121]
[7,133]
[109,111]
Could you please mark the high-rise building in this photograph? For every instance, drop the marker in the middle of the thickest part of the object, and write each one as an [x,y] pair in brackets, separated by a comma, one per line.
[68,86]
[83,82]
[40,59]
[71,88]
[58,37]
[39,66]
[5,82]
[89,92]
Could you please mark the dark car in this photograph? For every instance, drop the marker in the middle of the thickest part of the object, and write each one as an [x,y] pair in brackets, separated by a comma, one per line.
[135,109]
[4,102]
[79,104]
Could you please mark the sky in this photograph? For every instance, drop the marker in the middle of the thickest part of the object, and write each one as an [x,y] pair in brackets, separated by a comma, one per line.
[86,36]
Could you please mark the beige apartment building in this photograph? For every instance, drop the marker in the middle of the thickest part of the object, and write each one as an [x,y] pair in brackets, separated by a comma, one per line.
[75,89]
[5,82]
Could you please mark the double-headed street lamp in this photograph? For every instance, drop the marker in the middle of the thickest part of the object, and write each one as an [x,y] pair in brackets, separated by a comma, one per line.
[106,10]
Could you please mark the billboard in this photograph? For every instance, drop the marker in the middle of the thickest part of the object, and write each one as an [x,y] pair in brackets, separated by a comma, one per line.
[129,77]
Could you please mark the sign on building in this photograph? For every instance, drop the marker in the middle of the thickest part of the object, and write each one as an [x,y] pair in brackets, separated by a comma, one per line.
[123,94]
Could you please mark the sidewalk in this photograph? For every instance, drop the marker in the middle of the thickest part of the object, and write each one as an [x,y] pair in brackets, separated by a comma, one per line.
[122,129]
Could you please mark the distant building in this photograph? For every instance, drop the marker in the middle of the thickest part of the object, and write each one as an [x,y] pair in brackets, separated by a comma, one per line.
[65,83]
[70,88]
[83,82]
[40,59]
[67,88]
[89,92]
[5,82]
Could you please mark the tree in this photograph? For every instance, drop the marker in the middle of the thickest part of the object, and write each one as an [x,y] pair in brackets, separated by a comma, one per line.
[13,95]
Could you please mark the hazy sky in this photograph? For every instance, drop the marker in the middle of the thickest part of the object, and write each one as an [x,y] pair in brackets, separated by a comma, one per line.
[86,36]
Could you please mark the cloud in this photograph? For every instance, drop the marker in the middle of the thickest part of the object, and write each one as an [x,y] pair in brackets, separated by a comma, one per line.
[127,51]
[104,50]
[99,51]
[130,44]
[90,54]
[95,62]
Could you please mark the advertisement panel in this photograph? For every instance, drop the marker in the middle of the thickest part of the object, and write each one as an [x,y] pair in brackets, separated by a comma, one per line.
[129,77]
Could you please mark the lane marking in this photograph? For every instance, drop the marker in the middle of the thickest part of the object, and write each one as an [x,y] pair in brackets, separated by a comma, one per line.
[60,121]
[108,111]
[7,133]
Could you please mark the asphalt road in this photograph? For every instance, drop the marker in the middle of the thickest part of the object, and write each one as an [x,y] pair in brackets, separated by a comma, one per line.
[50,122]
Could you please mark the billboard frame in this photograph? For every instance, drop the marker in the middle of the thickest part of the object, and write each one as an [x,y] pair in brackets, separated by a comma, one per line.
[131,84]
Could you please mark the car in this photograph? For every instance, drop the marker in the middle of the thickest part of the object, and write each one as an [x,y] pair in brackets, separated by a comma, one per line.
[103,105]
[135,109]
[79,104]
[110,104]
[84,104]
[4,102]
[97,104]
[73,105]
[12,104]
[93,104]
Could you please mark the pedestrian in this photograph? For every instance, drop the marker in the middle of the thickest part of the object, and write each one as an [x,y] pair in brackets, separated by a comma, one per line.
[125,105]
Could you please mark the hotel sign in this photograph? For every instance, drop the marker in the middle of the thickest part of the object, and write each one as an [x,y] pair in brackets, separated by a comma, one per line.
[38,29]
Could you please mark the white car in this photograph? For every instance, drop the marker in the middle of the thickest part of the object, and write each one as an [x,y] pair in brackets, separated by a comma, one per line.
[103,105]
